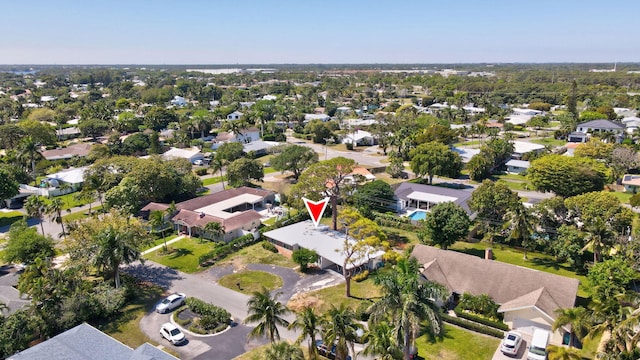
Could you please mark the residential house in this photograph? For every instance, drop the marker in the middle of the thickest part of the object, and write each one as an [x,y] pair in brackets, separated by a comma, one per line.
[192,154]
[321,117]
[68,133]
[258,147]
[631,123]
[236,115]
[327,243]
[631,183]
[577,137]
[600,126]
[360,174]
[517,166]
[178,101]
[520,148]
[359,138]
[9,294]
[237,210]
[528,298]
[466,153]
[77,150]
[73,178]
[244,136]
[84,342]
[529,112]
[411,196]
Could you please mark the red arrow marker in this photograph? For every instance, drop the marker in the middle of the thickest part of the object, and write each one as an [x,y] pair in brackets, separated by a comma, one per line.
[316,209]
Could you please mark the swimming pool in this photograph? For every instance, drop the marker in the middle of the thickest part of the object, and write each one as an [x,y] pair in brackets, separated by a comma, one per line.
[418,215]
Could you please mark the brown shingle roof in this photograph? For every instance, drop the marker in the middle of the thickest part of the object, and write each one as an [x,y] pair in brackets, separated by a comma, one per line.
[68,152]
[509,285]
[192,218]
[152,206]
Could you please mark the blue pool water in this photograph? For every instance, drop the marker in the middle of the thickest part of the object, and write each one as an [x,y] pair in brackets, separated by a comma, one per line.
[418,215]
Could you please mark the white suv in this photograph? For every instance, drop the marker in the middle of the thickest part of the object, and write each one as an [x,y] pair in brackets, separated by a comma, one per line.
[172,333]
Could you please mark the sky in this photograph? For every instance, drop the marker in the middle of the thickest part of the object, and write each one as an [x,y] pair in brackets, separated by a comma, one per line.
[325,31]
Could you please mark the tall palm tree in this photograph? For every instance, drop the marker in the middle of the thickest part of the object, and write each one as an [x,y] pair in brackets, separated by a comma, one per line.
[308,322]
[54,210]
[562,353]
[216,165]
[408,303]
[283,351]
[340,327]
[216,229]
[577,318]
[36,208]
[381,341]
[521,226]
[31,151]
[115,246]
[268,313]
[599,239]
[157,220]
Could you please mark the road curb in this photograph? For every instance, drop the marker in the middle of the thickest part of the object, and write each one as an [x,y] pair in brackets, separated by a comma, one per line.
[199,335]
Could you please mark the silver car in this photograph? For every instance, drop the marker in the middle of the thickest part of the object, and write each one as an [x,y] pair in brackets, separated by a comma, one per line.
[170,302]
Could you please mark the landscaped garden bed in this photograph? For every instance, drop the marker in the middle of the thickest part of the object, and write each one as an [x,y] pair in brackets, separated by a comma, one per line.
[202,318]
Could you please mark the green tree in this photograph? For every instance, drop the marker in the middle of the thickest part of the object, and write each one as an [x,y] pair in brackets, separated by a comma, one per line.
[572,100]
[595,149]
[24,244]
[282,350]
[434,158]
[493,200]
[229,152]
[376,195]
[29,150]
[268,313]
[10,136]
[41,133]
[108,242]
[154,143]
[576,318]
[445,224]
[568,176]
[381,341]
[36,208]
[158,118]
[215,229]
[9,187]
[241,171]
[396,166]
[54,210]
[304,257]
[308,323]
[294,158]
[93,127]
[610,278]
[408,304]
[17,330]
[158,220]
[325,179]
[521,226]
[340,327]
[479,167]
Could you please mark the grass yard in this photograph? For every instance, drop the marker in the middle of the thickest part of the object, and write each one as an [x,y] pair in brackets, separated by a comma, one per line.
[9,217]
[512,256]
[457,344]
[622,196]
[211,180]
[126,326]
[321,300]
[160,241]
[184,255]
[469,143]
[255,254]
[549,141]
[269,170]
[69,201]
[81,214]
[388,179]
[270,221]
[259,353]
[251,281]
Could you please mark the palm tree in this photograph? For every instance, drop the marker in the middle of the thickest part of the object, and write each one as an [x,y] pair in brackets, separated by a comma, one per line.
[268,313]
[36,208]
[30,150]
[521,226]
[215,229]
[381,341]
[157,220]
[216,165]
[574,317]
[307,321]
[116,246]
[283,351]
[340,327]
[599,237]
[408,303]
[562,353]
[54,209]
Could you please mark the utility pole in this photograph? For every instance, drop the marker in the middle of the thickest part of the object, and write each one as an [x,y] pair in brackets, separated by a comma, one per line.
[326,143]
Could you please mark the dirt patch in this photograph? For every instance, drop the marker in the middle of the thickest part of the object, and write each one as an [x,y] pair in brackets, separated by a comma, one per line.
[302,300]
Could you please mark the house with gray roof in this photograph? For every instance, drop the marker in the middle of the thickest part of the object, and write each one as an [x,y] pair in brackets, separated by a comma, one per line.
[84,342]
[411,196]
[528,298]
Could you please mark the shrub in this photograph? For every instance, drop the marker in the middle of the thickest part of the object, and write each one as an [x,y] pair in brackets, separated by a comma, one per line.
[197,330]
[361,276]
[349,146]
[201,171]
[269,247]
[473,326]
[218,314]
[227,249]
[208,322]
[481,320]
[362,311]
[304,257]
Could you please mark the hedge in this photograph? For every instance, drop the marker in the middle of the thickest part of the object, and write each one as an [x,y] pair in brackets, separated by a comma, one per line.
[213,313]
[469,325]
[229,248]
[481,320]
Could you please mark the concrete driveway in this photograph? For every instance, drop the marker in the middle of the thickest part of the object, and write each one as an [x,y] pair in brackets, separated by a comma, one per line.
[522,352]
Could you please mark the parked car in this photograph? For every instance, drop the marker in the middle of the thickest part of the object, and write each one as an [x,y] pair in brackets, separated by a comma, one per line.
[170,302]
[172,333]
[511,343]
[538,347]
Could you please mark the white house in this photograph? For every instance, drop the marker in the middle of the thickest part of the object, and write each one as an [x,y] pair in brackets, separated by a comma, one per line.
[178,101]
[359,138]
[631,123]
[236,115]
[522,147]
[244,136]
[631,183]
[530,112]
[269,97]
[192,154]
[321,117]
[327,243]
[599,126]
[466,153]
[517,166]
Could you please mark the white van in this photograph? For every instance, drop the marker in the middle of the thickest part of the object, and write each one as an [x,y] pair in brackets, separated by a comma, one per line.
[538,345]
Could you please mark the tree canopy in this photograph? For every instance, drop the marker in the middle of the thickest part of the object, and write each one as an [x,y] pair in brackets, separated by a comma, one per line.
[294,158]
[445,224]
[568,176]
[434,158]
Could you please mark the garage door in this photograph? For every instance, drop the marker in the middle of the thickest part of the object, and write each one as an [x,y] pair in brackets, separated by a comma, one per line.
[527,326]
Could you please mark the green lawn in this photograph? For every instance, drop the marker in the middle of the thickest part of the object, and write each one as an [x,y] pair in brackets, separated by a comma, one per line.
[622,196]
[457,344]
[125,327]
[255,254]
[321,300]
[211,180]
[81,214]
[468,143]
[270,221]
[535,260]
[9,217]
[184,254]
[549,141]
[269,170]
[69,201]
[251,281]
[160,241]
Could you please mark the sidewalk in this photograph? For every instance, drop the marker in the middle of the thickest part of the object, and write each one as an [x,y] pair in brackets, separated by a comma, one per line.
[162,245]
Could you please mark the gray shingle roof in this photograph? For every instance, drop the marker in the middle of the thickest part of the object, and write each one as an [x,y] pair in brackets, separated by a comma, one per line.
[602,124]
[407,188]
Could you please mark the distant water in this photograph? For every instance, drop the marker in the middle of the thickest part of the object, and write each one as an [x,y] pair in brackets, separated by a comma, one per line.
[21,72]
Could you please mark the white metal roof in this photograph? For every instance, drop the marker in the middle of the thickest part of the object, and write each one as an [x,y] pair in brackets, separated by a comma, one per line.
[522,147]
[71,176]
[218,209]
[181,153]
[518,163]
[432,198]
